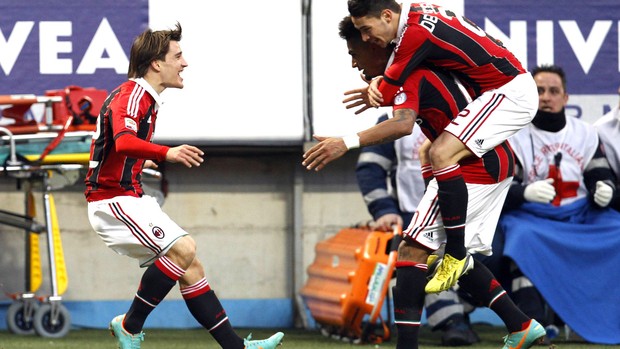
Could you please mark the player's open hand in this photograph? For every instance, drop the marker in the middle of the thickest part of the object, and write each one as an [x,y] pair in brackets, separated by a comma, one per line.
[327,150]
[188,155]
[374,96]
[357,97]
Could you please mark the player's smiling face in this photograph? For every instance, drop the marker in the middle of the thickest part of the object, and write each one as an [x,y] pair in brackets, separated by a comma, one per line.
[172,66]
[368,57]
[375,30]
[551,94]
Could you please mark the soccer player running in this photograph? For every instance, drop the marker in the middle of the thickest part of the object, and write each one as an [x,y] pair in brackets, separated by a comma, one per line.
[503,92]
[132,223]
[432,98]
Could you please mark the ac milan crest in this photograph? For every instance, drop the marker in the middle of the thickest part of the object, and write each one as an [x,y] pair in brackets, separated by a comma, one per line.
[158,232]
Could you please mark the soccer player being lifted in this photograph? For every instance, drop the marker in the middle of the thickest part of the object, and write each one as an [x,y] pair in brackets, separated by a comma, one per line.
[504,100]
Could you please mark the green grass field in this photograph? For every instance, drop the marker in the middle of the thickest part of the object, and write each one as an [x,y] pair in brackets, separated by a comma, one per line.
[294,338]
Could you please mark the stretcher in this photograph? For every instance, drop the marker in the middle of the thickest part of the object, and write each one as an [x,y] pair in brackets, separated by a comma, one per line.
[41,157]
[28,314]
[348,283]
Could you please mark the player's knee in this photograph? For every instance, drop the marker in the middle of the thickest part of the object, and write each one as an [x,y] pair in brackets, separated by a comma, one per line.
[183,251]
[447,150]
[194,273]
[411,252]
[440,156]
[188,246]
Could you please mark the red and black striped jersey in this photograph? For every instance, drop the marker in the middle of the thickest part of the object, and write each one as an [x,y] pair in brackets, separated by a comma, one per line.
[434,95]
[130,110]
[441,38]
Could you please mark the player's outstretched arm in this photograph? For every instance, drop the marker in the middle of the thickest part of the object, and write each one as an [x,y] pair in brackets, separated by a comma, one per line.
[327,150]
[188,155]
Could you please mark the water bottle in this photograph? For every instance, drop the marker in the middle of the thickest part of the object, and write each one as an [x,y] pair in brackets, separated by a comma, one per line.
[554,172]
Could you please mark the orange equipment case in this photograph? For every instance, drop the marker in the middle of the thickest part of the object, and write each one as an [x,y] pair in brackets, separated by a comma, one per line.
[348,282]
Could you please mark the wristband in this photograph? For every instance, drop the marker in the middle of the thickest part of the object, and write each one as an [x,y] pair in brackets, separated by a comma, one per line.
[351,141]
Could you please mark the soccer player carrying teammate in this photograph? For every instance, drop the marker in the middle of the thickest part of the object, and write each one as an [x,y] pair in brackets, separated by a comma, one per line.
[132,223]
[397,163]
[503,92]
[431,97]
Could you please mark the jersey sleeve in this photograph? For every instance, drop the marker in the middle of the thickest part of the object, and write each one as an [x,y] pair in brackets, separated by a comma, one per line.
[410,52]
[128,110]
[408,96]
[134,147]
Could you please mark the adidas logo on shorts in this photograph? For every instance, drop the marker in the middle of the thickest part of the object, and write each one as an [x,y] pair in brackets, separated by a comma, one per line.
[429,235]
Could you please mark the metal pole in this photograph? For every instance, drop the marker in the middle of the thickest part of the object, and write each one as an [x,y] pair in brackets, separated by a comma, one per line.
[49,230]
[306,32]
[298,183]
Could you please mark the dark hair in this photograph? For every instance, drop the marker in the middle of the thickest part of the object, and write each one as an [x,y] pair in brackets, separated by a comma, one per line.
[150,46]
[347,30]
[551,68]
[372,8]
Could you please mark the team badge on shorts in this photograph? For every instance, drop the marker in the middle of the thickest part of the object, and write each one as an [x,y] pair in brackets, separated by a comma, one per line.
[400,98]
[158,232]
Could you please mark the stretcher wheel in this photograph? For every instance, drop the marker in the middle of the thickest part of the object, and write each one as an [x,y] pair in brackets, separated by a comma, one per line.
[20,317]
[52,320]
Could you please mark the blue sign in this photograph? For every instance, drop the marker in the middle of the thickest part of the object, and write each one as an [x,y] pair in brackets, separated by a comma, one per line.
[579,36]
[46,45]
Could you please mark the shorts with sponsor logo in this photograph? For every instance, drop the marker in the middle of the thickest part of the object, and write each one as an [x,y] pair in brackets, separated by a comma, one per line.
[483,210]
[496,115]
[134,227]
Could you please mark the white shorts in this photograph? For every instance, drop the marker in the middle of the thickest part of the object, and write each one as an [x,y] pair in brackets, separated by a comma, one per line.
[483,210]
[496,115]
[134,227]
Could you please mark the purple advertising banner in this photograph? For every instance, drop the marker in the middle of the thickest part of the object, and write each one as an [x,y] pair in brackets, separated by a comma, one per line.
[53,44]
[580,36]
